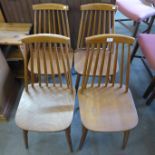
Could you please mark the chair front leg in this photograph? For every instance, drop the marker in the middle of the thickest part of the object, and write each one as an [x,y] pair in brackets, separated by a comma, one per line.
[125,139]
[68,137]
[77,82]
[25,135]
[83,137]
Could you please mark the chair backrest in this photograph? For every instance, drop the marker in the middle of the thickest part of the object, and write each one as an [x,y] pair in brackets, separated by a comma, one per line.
[2,20]
[96,18]
[46,45]
[106,44]
[51,18]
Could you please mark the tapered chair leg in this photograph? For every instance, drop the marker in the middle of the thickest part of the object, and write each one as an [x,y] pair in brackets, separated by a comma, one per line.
[134,51]
[25,135]
[77,82]
[68,137]
[150,88]
[83,137]
[125,139]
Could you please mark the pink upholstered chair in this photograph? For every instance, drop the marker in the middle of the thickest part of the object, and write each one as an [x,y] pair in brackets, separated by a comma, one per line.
[138,11]
[146,43]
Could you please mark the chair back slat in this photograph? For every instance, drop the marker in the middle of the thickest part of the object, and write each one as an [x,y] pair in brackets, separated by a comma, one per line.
[50,50]
[96,64]
[58,63]
[110,50]
[115,65]
[50,54]
[106,45]
[122,66]
[128,68]
[103,48]
[51,18]
[38,63]
[96,18]
[45,64]
[32,64]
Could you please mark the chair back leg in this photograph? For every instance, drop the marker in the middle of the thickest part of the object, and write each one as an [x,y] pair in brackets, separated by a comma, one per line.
[68,137]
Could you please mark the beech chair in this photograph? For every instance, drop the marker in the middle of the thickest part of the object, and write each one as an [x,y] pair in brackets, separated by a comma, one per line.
[51,18]
[46,107]
[107,106]
[96,18]
[146,43]
[137,11]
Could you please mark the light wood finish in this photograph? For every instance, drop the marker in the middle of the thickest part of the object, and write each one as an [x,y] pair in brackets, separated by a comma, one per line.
[106,106]
[80,59]
[96,18]
[51,18]
[2,20]
[11,33]
[48,62]
[43,106]
[125,139]
[50,6]
[111,43]
[107,109]
[45,109]
[100,13]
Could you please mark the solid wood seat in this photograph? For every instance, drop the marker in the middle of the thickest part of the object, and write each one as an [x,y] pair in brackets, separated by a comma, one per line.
[107,105]
[45,108]
[107,109]
[48,62]
[80,56]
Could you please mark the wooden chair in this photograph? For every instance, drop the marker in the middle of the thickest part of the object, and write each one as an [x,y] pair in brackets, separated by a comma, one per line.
[105,106]
[51,18]
[96,18]
[46,107]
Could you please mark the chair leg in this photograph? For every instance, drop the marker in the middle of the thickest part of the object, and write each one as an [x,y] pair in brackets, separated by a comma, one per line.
[150,88]
[150,25]
[134,51]
[137,24]
[25,135]
[83,137]
[77,82]
[151,98]
[68,137]
[125,139]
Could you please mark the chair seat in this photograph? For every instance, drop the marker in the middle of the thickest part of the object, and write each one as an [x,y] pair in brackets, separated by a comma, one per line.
[147,44]
[79,62]
[45,109]
[135,9]
[110,110]
[48,62]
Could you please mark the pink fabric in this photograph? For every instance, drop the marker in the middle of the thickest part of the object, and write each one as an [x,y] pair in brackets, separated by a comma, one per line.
[147,44]
[135,9]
